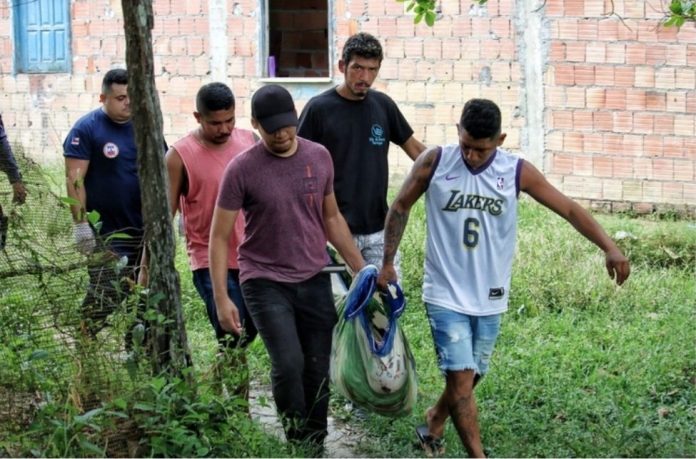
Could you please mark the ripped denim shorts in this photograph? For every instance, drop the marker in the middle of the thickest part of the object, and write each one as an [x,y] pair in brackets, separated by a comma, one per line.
[462,341]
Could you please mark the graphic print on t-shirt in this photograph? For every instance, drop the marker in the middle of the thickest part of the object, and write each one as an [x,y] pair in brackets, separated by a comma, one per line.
[110,150]
[377,137]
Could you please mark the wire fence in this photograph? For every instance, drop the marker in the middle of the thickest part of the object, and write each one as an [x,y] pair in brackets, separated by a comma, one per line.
[70,330]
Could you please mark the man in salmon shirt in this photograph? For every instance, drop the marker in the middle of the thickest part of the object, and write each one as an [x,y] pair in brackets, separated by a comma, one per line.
[195,164]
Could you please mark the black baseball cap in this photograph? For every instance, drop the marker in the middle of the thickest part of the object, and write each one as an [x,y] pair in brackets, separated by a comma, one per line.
[272,106]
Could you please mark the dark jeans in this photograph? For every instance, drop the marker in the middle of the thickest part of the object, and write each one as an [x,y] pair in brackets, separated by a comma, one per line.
[295,322]
[203,283]
[109,285]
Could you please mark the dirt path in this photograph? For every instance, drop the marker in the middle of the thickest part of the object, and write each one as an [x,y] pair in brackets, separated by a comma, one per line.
[342,439]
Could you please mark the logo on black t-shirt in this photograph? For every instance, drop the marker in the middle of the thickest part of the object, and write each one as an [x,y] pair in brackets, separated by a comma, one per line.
[377,137]
[110,150]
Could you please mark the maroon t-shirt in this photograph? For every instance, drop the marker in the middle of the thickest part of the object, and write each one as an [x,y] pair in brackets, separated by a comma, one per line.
[282,201]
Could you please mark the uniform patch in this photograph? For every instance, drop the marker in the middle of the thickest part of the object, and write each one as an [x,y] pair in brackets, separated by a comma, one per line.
[500,183]
[75,141]
[496,293]
[110,150]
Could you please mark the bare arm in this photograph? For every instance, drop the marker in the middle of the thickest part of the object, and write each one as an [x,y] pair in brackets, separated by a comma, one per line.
[338,234]
[75,171]
[413,147]
[535,184]
[223,222]
[177,174]
[413,188]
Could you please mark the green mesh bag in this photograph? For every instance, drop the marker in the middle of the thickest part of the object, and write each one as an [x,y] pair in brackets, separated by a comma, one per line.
[371,362]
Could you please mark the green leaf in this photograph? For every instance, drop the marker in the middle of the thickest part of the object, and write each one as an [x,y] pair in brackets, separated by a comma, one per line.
[430,18]
[38,354]
[92,448]
[410,6]
[418,18]
[93,217]
[158,383]
[70,201]
[117,414]
[119,236]
[676,7]
[83,418]
[120,403]
[141,406]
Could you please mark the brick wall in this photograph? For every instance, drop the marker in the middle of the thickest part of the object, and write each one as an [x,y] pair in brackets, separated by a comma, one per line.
[617,105]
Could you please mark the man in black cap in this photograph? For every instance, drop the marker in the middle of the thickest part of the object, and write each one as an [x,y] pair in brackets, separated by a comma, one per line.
[284,185]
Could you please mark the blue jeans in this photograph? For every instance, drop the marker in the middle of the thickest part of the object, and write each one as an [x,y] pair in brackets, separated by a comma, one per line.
[203,283]
[462,341]
[295,321]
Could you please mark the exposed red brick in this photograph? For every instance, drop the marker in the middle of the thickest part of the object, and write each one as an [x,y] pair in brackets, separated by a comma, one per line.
[575,51]
[587,30]
[644,77]
[604,75]
[624,77]
[592,143]
[622,167]
[644,123]
[663,169]
[616,53]
[564,74]
[665,78]
[673,147]
[575,97]
[562,163]
[557,52]
[582,120]
[584,75]
[636,54]
[684,125]
[664,124]
[603,122]
[684,170]
[574,8]
[623,121]
[561,120]
[616,99]
[595,98]
[602,166]
[596,52]
[572,142]
[568,29]
[554,8]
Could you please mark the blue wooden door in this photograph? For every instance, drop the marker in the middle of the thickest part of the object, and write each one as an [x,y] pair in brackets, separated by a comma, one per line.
[43,36]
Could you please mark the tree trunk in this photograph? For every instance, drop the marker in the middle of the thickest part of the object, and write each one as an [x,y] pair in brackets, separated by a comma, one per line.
[170,352]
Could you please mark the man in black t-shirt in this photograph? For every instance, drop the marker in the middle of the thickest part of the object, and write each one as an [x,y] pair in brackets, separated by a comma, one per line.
[356,124]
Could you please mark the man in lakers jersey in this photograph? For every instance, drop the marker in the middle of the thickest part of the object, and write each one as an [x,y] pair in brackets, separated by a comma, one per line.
[471,193]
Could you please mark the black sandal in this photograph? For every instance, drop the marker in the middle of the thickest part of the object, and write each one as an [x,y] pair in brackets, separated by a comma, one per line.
[433,446]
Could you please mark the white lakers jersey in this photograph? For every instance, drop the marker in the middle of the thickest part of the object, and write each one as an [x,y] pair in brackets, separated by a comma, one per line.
[472,231]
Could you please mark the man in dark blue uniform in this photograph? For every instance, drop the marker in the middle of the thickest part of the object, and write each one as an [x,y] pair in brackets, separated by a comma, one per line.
[102,175]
